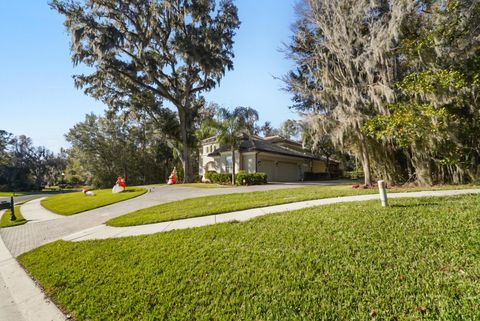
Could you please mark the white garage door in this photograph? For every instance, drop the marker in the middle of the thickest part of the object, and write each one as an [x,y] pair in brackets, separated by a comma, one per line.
[267,167]
[287,172]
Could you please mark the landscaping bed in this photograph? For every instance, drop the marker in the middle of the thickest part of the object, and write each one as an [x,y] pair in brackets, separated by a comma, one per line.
[5,219]
[416,260]
[209,205]
[73,203]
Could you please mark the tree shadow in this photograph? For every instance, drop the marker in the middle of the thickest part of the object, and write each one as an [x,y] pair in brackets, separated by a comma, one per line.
[415,205]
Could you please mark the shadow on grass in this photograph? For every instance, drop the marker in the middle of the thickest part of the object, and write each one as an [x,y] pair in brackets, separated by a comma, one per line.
[423,204]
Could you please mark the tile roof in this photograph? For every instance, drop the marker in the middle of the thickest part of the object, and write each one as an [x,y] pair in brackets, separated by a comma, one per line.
[258,144]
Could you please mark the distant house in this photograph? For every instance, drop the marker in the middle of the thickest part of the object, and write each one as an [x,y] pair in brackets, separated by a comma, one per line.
[281,159]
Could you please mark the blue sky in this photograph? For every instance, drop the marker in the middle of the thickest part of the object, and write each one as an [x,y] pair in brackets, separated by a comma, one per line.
[38,99]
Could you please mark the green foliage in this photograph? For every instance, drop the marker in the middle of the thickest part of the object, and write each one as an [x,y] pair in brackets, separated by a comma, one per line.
[416,260]
[408,104]
[143,53]
[219,178]
[244,178]
[5,219]
[407,123]
[77,202]
[25,167]
[104,148]
[355,174]
[432,81]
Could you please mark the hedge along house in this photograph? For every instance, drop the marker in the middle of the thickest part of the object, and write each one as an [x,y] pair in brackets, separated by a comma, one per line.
[281,159]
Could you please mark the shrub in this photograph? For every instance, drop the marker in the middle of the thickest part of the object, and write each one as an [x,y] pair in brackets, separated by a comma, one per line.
[244,178]
[219,178]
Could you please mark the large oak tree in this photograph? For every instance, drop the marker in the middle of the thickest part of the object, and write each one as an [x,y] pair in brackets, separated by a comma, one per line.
[142,53]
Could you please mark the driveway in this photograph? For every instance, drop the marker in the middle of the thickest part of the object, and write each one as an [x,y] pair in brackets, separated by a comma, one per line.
[23,238]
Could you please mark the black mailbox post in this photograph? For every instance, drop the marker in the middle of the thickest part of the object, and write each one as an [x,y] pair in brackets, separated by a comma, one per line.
[9,205]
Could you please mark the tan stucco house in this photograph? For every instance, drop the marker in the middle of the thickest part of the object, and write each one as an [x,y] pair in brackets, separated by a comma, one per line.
[281,159]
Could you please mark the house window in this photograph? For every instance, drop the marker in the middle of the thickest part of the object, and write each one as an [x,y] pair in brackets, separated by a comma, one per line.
[206,149]
[228,164]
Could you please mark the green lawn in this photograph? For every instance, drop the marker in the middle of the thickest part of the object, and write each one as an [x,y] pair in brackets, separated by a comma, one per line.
[209,205]
[6,194]
[73,203]
[5,219]
[416,260]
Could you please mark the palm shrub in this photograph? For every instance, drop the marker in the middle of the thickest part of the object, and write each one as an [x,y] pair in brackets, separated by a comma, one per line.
[229,125]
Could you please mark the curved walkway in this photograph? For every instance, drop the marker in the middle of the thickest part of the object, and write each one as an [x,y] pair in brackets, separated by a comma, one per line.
[104,232]
[34,212]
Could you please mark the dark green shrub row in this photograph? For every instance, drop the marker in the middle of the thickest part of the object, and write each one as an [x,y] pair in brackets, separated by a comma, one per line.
[244,178]
[219,178]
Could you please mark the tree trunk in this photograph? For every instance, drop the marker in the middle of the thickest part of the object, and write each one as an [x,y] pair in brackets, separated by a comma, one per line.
[327,162]
[233,165]
[185,155]
[365,162]
[421,163]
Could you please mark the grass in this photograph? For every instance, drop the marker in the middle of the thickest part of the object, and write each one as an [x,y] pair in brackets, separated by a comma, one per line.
[6,194]
[417,260]
[210,205]
[5,219]
[73,203]
[204,185]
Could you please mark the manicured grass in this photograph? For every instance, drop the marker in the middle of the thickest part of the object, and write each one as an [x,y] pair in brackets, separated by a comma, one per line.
[416,260]
[204,185]
[5,219]
[6,194]
[73,203]
[209,205]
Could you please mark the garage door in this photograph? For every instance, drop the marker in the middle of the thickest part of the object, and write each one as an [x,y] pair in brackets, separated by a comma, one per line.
[287,172]
[267,167]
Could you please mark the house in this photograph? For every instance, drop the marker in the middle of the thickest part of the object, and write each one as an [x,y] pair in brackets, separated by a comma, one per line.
[281,159]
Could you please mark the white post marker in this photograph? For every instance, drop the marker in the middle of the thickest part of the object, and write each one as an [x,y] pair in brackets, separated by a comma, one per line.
[383,193]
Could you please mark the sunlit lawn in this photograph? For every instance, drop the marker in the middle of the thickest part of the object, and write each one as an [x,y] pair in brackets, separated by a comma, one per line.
[5,219]
[417,260]
[73,203]
[6,194]
[209,205]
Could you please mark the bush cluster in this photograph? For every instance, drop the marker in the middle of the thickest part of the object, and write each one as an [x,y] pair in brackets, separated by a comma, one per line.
[244,178]
[219,178]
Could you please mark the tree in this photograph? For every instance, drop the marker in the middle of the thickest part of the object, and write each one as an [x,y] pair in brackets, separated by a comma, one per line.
[145,52]
[346,68]
[289,129]
[231,125]
[437,117]
[127,145]
[319,144]
[267,129]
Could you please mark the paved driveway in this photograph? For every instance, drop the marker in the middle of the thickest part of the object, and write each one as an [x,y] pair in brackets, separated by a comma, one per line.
[23,238]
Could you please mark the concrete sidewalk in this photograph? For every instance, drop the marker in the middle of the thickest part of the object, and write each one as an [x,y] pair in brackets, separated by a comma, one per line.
[34,212]
[104,232]
[20,298]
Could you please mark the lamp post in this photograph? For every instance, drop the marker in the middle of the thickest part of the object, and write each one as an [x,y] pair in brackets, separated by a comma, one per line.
[12,209]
